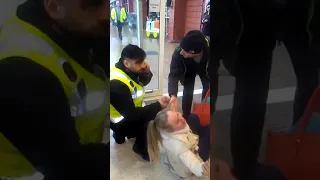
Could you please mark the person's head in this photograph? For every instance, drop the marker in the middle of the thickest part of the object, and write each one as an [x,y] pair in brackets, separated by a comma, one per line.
[208,7]
[117,3]
[165,121]
[90,18]
[133,59]
[192,44]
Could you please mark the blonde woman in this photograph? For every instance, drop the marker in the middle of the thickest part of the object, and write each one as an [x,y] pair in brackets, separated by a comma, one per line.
[186,142]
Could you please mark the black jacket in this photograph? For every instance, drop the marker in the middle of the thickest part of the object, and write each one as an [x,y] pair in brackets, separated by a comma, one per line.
[232,19]
[181,68]
[121,99]
[35,113]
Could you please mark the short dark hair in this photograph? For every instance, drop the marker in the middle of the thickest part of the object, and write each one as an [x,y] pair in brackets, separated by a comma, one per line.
[133,52]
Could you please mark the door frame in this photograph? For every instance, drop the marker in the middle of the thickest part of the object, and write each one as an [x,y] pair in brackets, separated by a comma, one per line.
[155,93]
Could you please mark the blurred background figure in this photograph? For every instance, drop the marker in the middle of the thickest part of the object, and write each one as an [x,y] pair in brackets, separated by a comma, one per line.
[206,22]
[119,16]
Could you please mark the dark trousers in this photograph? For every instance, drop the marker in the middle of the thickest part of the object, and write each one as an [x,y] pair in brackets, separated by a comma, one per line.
[119,26]
[188,88]
[252,73]
[136,130]
[204,136]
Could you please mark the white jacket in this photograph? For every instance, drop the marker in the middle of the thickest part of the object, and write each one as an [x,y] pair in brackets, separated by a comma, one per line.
[181,148]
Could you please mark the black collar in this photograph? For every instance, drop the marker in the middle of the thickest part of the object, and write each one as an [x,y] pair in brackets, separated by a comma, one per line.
[81,49]
[134,77]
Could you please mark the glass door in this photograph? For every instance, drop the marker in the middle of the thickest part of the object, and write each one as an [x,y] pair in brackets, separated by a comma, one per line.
[145,27]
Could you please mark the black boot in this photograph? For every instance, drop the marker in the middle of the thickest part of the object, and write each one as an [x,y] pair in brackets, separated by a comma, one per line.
[144,155]
[118,138]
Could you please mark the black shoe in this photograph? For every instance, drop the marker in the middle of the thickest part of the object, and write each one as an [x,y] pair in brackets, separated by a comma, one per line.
[118,139]
[140,152]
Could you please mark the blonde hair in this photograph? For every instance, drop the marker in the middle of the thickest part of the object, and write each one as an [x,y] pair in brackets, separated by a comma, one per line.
[154,135]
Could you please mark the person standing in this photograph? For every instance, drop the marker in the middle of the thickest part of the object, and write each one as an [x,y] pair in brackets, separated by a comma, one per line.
[128,116]
[189,59]
[119,15]
[206,22]
[54,95]
[253,29]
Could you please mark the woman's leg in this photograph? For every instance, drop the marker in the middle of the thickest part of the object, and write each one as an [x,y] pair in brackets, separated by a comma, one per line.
[204,143]
[204,136]
[194,124]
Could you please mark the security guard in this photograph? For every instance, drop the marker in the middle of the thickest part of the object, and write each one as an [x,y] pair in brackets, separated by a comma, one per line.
[128,117]
[189,59]
[119,15]
[54,94]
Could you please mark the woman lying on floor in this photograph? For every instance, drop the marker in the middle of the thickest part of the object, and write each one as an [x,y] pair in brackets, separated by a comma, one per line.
[186,142]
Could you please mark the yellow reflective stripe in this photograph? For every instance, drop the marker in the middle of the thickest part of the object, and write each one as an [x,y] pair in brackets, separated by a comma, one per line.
[208,42]
[23,41]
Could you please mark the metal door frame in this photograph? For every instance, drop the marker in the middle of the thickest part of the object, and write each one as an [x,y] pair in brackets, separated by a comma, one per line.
[153,94]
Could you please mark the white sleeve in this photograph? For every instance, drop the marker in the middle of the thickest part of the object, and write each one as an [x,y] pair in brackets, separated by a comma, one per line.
[192,162]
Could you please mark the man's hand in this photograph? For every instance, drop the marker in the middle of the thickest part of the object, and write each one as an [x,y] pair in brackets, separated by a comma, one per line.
[206,169]
[146,69]
[204,20]
[174,103]
[164,101]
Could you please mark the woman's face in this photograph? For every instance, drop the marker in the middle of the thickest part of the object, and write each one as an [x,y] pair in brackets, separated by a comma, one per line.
[176,120]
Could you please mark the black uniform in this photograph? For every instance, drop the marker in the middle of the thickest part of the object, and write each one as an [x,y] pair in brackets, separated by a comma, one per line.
[35,113]
[135,120]
[248,39]
[185,70]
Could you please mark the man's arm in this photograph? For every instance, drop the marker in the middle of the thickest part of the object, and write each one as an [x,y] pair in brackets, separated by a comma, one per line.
[146,78]
[121,99]
[36,119]
[176,71]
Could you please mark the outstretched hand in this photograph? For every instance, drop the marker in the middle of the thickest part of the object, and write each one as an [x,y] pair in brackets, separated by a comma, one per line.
[174,103]
[164,101]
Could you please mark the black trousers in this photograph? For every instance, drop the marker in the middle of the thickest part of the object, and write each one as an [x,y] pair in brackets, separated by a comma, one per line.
[252,71]
[119,26]
[136,130]
[188,88]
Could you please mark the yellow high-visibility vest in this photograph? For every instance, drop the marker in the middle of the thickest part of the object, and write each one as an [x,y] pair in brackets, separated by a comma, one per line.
[123,15]
[87,92]
[137,92]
